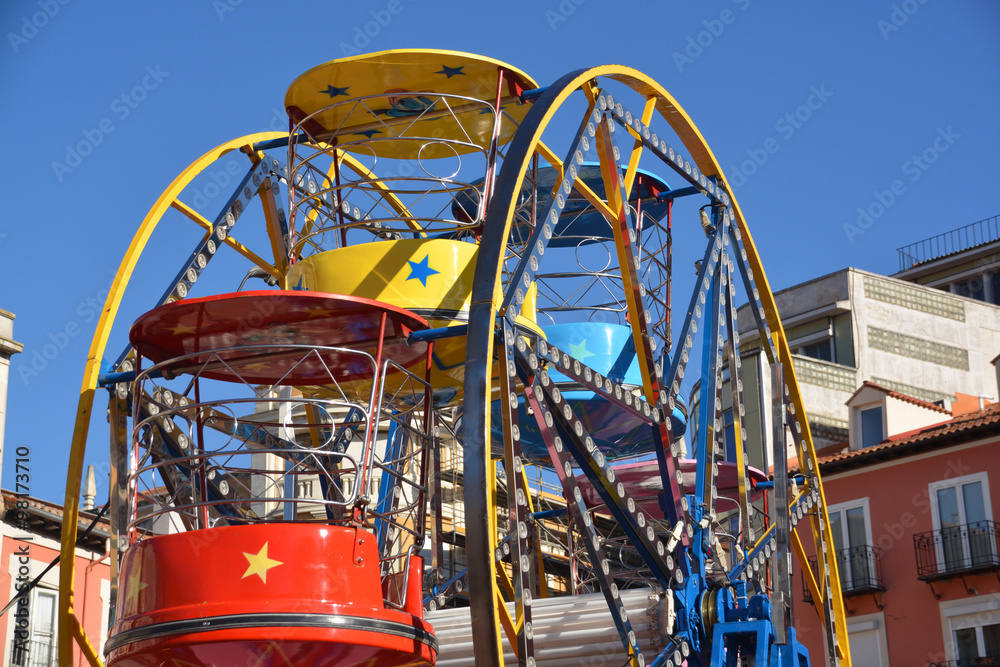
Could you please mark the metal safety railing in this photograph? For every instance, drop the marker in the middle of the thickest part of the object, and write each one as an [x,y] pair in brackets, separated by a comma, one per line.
[860,571]
[398,181]
[958,549]
[33,653]
[210,451]
[977,661]
[955,240]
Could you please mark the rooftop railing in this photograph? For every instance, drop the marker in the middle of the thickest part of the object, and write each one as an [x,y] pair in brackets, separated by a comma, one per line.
[962,238]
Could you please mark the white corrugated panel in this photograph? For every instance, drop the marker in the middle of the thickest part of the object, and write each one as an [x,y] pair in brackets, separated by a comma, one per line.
[567,630]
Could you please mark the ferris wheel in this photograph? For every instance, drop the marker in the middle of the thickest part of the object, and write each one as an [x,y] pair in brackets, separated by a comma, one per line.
[539,281]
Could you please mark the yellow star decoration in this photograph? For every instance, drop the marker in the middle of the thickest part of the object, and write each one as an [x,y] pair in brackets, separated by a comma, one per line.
[318,312]
[135,585]
[259,563]
[181,329]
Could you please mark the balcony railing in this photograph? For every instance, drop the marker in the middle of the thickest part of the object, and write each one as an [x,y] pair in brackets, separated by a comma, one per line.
[33,654]
[860,571]
[983,661]
[957,550]
[962,238]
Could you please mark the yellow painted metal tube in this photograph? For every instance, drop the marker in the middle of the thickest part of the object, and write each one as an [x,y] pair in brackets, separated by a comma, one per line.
[69,630]
[709,166]
[89,652]
[706,162]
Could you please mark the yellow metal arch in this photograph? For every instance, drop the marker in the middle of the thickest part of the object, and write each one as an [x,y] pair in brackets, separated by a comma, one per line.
[70,629]
[707,164]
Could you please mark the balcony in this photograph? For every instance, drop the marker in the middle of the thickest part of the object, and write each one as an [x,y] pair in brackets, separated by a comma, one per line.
[860,571]
[957,550]
[984,661]
[33,654]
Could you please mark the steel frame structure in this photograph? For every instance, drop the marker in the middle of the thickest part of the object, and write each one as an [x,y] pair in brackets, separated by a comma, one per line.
[717,617]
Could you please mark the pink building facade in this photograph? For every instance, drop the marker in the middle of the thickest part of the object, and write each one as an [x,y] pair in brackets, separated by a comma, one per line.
[914,523]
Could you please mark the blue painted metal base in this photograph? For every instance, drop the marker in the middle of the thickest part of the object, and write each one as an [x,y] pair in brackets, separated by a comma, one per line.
[730,639]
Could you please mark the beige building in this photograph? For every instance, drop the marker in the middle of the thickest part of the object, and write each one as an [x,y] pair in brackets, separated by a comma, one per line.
[928,332]
[8,348]
[853,326]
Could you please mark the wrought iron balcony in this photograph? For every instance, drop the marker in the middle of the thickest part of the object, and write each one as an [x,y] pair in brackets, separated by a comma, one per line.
[33,654]
[860,571]
[957,550]
[983,661]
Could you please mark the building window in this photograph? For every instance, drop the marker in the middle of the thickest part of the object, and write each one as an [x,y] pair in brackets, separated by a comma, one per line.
[872,431]
[868,641]
[976,639]
[972,288]
[963,516]
[822,350]
[981,641]
[815,339]
[40,649]
[971,632]
[852,541]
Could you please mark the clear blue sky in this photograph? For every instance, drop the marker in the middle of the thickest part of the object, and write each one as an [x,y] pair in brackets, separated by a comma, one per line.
[887,81]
